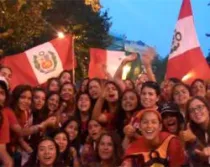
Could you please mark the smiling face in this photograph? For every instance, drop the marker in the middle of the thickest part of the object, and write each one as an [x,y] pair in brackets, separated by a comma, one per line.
[67,92]
[181,95]
[24,101]
[149,97]
[198,89]
[62,141]
[46,153]
[54,86]
[72,129]
[84,103]
[150,126]
[53,102]
[106,148]
[39,98]
[170,123]
[65,77]
[198,112]
[129,101]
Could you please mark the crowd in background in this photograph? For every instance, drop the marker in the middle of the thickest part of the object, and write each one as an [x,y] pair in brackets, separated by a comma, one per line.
[106,122]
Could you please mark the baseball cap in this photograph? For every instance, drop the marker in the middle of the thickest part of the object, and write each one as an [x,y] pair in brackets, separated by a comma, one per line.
[171,108]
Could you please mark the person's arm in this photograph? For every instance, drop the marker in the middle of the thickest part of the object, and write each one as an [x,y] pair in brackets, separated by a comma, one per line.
[5,157]
[24,145]
[33,129]
[176,153]
[147,58]
[76,162]
[98,108]
[118,73]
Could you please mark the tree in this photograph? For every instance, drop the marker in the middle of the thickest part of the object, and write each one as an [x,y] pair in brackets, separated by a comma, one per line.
[26,23]
[20,23]
[89,27]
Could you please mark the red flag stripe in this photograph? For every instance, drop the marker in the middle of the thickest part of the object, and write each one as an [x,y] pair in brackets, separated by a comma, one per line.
[186,9]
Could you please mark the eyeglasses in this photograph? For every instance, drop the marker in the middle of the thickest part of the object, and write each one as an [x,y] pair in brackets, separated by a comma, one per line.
[197,108]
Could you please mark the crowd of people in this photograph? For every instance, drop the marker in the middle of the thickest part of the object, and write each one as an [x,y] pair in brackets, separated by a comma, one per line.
[105,122]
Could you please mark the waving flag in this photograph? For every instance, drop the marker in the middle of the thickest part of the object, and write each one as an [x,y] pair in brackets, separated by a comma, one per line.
[186,60]
[102,60]
[35,66]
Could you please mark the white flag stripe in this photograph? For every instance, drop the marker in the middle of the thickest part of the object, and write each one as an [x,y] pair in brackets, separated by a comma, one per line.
[188,39]
[113,61]
[44,52]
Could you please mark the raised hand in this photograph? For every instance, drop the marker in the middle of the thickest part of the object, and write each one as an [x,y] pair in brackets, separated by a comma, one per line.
[148,56]
[187,135]
[129,131]
[130,58]
[49,122]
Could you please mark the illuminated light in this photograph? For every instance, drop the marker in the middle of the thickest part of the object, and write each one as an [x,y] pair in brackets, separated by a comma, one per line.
[126,70]
[60,35]
[187,77]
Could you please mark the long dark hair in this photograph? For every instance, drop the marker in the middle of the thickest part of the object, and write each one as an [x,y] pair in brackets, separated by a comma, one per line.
[46,109]
[33,162]
[197,130]
[3,86]
[122,116]
[76,142]
[49,82]
[117,148]
[65,157]
[16,96]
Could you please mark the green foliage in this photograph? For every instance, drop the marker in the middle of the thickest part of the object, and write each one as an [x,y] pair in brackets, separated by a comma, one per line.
[37,21]
[90,28]
[24,18]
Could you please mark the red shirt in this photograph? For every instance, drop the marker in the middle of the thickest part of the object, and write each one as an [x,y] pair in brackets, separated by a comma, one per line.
[175,152]
[9,118]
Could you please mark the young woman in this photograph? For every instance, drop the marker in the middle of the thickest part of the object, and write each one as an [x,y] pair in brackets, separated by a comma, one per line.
[52,104]
[106,108]
[108,151]
[53,85]
[65,76]
[94,89]
[5,123]
[38,103]
[72,128]
[21,106]
[173,121]
[95,129]
[166,89]
[45,155]
[68,155]
[198,114]
[154,147]
[129,84]
[83,113]
[180,96]
[150,94]
[84,85]
[198,88]
[67,94]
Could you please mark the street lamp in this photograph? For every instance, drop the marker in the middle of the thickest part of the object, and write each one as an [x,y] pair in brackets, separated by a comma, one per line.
[60,35]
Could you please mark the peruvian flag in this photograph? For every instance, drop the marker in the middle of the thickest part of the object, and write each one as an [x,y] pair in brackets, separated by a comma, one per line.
[104,60]
[186,60]
[35,66]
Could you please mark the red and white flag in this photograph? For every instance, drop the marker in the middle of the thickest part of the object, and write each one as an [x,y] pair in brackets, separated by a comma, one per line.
[186,60]
[101,59]
[35,66]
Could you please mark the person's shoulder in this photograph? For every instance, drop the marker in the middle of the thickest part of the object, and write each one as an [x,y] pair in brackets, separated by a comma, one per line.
[7,110]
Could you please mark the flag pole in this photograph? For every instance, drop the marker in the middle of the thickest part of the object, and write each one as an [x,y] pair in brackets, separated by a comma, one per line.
[73,57]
